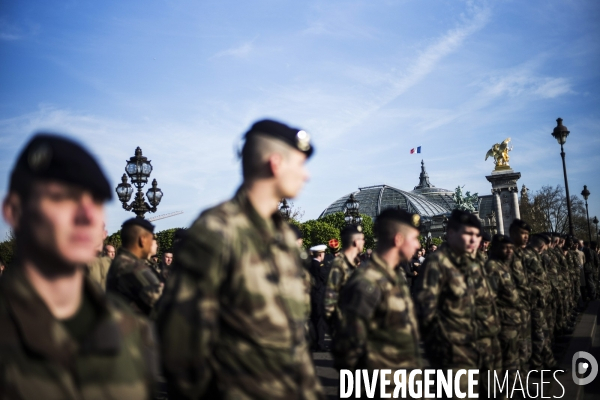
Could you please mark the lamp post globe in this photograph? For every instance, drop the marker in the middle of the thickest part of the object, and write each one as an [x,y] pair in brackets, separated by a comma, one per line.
[586,193]
[351,211]
[285,210]
[138,169]
[560,133]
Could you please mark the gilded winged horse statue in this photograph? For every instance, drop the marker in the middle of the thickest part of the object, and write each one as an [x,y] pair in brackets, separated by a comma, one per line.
[499,152]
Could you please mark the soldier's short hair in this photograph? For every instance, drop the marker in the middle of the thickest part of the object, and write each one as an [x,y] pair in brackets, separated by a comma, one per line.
[348,233]
[130,232]
[390,222]
[256,152]
[537,241]
[498,242]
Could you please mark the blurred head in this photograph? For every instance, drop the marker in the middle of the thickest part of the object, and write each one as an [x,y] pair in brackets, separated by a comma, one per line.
[154,247]
[352,237]
[519,232]
[319,255]
[168,257]
[464,232]
[432,248]
[109,250]
[538,243]
[397,229]
[137,236]
[276,152]
[55,202]
[501,248]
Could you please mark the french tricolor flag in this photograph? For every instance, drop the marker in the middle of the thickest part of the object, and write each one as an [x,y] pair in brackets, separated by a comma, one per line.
[415,150]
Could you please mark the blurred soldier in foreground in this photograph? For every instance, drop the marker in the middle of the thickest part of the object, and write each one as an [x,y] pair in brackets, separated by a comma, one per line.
[446,298]
[379,327]
[342,268]
[231,322]
[508,302]
[130,276]
[61,337]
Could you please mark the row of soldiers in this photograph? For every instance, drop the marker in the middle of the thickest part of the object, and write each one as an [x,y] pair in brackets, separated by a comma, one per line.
[230,319]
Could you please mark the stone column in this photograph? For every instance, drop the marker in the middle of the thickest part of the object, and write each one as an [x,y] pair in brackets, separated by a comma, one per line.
[515,198]
[499,220]
[504,186]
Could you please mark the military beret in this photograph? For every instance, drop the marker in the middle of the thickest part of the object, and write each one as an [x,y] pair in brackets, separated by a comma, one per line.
[296,138]
[401,216]
[519,223]
[485,237]
[144,223]
[351,230]
[320,248]
[459,218]
[334,245]
[297,231]
[501,239]
[544,237]
[53,157]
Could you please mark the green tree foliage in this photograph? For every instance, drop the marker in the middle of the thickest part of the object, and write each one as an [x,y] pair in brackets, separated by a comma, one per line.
[8,248]
[114,239]
[165,240]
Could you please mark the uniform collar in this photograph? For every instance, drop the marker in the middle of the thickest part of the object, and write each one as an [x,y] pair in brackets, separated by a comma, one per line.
[42,333]
[382,266]
[270,229]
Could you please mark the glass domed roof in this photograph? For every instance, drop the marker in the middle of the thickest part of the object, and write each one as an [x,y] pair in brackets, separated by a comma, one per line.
[374,199]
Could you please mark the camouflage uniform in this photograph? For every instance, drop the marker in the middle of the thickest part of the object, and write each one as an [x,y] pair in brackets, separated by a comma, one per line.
[132,279]
[488,325]
[231,322]
[509,307]
[446,308]
[108,352]
[561,300]
[156,268]
[379,327]
[341,270]
[98,270]
[552,303]
[575,275]
[541,355]
[522,282]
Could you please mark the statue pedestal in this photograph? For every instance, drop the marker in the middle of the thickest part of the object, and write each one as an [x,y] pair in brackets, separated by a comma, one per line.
[506,197]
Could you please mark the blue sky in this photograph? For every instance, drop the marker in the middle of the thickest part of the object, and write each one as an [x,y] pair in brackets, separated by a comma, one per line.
[368,79]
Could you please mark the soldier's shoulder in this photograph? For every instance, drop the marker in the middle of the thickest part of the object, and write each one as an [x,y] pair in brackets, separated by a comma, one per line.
[122,313]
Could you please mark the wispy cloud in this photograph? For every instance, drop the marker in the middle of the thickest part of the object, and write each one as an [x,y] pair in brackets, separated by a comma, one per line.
[238,52]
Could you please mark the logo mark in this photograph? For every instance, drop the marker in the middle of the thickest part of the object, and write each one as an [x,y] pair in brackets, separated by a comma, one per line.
[583,367]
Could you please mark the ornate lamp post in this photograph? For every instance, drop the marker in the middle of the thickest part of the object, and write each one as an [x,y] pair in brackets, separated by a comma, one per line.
[285,209]
[595,221]
[586,193]
[560,133]
[351,211]
[138,169]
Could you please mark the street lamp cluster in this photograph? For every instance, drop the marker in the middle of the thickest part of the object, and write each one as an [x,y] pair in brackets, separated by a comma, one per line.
[285,210]
[138,168]
[351,211]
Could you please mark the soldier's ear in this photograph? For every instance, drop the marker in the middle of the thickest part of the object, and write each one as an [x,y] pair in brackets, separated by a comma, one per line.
[12,210]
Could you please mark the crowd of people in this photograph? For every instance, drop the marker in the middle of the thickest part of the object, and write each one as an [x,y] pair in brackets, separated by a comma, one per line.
[233,309]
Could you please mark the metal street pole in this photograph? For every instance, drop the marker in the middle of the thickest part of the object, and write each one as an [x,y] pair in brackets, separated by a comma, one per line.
[560,133]
[586,193]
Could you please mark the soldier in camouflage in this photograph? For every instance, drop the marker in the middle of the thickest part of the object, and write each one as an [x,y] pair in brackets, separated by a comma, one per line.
[488,323]
[231,322]
[553,303]
[379,327]
[507,300]
[342,268]
[519,234]
[446,296]
[61,337]
[129,275]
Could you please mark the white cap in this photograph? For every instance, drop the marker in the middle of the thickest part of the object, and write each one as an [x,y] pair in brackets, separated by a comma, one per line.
[320,248]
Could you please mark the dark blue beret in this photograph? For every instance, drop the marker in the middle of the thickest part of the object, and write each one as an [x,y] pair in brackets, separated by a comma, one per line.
[501,239]
[519,223]
[460,217]
[144,223]
[53,157]
[295,137]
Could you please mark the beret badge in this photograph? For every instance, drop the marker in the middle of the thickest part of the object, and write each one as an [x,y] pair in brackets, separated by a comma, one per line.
[416,220]
[303,140]
[39,157]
